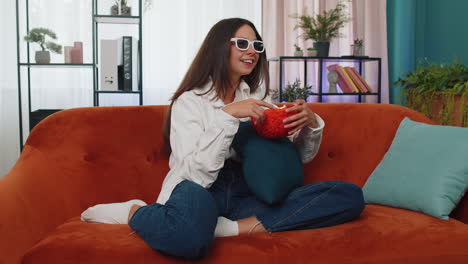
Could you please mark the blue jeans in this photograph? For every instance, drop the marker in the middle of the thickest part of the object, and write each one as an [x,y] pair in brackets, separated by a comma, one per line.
[192,211]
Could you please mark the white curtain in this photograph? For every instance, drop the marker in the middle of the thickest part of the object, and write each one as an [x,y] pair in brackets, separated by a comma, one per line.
[368,23]
[172,33]
[9,149]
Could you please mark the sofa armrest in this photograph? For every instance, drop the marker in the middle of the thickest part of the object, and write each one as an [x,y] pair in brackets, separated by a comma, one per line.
[33,200]
[74,159]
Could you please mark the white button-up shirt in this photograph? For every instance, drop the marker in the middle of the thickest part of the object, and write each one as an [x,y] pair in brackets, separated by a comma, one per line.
[202,133]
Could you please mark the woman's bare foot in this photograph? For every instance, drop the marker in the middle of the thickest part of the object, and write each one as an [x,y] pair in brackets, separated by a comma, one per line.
[132,211]
[250,225]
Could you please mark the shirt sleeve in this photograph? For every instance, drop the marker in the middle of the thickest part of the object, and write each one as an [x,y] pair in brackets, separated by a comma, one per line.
[199,149]
[307,140]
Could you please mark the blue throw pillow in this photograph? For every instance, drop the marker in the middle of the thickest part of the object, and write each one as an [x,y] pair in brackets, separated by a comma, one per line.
[271,167]
[425,169]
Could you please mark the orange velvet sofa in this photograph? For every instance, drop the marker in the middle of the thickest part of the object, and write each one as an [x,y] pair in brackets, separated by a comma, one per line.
[80,157]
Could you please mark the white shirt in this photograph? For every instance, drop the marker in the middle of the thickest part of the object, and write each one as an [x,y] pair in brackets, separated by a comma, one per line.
[202,133]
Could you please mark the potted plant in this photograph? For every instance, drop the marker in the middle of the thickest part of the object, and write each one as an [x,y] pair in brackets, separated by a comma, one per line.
[357,48]
[312,52]
[38,35]
[298,51]
[292,92]
[438,91]
[323,27]
[120,8]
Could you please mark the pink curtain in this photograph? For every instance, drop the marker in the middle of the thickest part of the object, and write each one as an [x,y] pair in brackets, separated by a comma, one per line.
[368,23]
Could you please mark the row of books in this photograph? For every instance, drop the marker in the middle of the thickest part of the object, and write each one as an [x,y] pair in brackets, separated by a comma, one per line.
[349,79]
[118,64]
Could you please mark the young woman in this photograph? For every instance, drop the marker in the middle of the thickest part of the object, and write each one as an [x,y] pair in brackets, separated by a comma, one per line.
[204,194]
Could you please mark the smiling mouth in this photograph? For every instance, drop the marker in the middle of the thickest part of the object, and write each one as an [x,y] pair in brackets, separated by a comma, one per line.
[248,61]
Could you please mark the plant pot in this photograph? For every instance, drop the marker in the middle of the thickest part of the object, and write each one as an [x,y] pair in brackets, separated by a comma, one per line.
[442,107]
[441,112]
[312,53]
[298,53]
[42,57]
[357,50]
[114,10]
[125,10]
[322,48]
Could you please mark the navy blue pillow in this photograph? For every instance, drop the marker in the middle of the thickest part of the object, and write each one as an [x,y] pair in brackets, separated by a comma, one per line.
[272,167]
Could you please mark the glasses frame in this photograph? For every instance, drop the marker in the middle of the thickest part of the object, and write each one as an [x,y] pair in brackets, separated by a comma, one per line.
[250,42]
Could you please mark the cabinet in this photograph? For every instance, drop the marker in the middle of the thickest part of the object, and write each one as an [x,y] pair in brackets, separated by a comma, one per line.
[45,88]
[313,71]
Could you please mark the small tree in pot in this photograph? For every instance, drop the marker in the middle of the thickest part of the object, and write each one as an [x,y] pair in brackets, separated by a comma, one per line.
[38,35]
[124,10]
[323,27]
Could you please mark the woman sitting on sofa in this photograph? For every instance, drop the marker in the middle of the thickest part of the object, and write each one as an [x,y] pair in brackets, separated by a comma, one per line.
[204,194]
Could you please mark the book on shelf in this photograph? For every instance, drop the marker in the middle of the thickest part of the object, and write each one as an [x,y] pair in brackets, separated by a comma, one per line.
[361,88]
[353,85]
[344,82]
[363,85]
[128,64]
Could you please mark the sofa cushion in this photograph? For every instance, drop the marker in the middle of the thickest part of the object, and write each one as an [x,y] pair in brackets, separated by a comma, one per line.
[271,167]
[424,170]
[381,235]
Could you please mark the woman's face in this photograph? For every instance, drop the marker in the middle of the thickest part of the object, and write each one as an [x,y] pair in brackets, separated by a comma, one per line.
[242,62]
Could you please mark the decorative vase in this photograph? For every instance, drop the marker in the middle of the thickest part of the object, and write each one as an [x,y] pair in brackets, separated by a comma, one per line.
[42,56]
[357,50]
[298,53]
[322,48]
[312,53]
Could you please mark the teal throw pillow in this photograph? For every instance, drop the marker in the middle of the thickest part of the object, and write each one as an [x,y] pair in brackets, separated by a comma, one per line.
[271,167]
[425,169]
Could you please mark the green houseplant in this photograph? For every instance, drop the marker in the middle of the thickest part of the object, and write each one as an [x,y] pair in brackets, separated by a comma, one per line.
[293,91]
[38,35]
[323,27]
[439,91]
[124,10]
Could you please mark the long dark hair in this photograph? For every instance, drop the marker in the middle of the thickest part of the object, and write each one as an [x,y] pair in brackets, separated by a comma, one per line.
[212,60]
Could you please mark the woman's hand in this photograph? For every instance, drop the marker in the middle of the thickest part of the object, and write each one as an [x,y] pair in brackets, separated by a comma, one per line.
[305,117]
[248,108]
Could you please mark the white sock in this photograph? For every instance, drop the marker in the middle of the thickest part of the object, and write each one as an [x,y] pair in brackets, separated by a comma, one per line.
[113,213]
[226,227]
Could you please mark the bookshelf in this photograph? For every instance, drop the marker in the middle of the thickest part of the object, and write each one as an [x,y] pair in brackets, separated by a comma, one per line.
[39,82]
[314,72]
